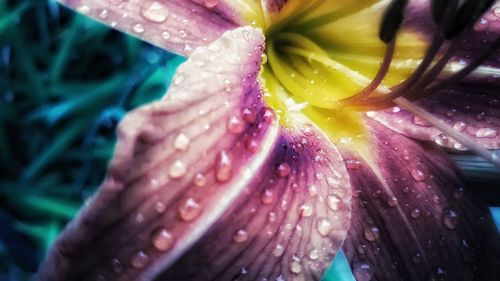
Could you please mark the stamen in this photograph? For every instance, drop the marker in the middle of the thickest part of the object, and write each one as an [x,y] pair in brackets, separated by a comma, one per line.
[463,139]
[377,80]
[469,68]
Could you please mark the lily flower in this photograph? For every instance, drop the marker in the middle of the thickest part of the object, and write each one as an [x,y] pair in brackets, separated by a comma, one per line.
[296,129]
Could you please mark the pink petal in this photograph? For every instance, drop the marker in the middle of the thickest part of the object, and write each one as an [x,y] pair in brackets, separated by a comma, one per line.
[288,224]
[204,184]
[412,217]
[472,108]
[179,26]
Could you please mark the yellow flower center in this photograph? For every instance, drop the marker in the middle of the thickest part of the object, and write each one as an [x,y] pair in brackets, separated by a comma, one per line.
[321,52]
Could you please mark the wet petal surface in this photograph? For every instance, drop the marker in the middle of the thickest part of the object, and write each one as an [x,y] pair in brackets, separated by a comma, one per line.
[178,26]
[472,108]
[177,166]
[412,217]
[206,184]
[288,224]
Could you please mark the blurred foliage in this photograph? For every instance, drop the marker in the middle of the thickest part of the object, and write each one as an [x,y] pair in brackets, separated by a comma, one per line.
[65,82]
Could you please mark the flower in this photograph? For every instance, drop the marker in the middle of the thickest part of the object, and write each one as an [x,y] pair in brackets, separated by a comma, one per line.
[259,163]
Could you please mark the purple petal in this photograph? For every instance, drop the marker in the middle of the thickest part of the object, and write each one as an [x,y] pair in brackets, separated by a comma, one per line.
[472,108]
[412,217]
[205,184]
[289,223]
[179,26]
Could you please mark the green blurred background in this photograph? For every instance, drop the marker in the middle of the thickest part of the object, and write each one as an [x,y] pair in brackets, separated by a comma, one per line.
[65,82]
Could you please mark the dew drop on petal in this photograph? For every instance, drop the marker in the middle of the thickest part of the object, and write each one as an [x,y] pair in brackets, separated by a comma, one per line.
[459,126]
[181,142]
[392,201]
[162,239]
[211,3]
[352,164]
[295,267]
[371,233]
[235,125]
[362,271]
[139,260]
[314,254]
[450,219]
[496,11]
[160,207]
[415,213]
[333,202]
[267,197]
[165,35]
[200,180]
[249,115]
[84,9]
[324,226]
[305,210]
[103,14]
[138,28]
[189,209]
[223,167]
[417,175]
[177,169]
[117,265]
[417,258]
[486,133]
[240,236]
[155,11]
[271,216]
[283,170]
[278,250]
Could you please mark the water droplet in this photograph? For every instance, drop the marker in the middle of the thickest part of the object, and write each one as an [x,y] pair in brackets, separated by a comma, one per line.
[324,226]
[177,169]
[417,258]
[240,236]
[223,167]
[189,209]
[371,114]
[334,202]
[417,120]
[139,218]
[313,190]
[442,140]
[249,115]
[211,3]
[496,11]
[200,180]
[263,59]
[486,133]
[392,201]
[278,250]
[235,125]
[268,115]
[283,170]
[362,271]
[352,164]
[162,239]
[371,233]
[415,213]
[154,11]
[458,193]
[314,254]
[84,9]
[182,34]
[417,175]
[138,28]
[295,267]
[271,217]
[267,197]
[459,126]
[438,274]
[139,260]
[165,35]
[450,219]
[117,265]
[305,210]
[103,14]
[181,142]
[160,207]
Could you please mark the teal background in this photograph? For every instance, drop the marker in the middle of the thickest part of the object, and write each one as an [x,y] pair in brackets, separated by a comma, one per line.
[65,82]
